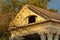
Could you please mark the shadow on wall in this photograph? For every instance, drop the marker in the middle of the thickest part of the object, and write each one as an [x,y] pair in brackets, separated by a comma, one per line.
[32,37]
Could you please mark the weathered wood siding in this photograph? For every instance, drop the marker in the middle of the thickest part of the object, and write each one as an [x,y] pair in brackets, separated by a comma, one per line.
[49,28]
[22,17]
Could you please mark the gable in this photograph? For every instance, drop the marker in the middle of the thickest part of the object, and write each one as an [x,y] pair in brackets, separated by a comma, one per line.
[24,14]
[45,13]
[27,11]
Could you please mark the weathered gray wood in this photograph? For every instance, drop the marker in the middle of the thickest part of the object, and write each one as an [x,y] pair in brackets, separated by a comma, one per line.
[56,37]
[43,37]
[50,36]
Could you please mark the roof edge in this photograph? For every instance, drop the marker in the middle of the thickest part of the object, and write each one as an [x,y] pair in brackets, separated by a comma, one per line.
[55,20]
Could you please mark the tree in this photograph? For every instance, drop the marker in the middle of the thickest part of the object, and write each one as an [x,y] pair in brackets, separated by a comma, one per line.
[4,33]
[10,8]
[53,10]
[39,3]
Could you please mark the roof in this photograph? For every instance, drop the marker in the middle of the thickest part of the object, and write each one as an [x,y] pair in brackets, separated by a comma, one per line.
[50,15]
[29,25]
[43,12]
[53,17]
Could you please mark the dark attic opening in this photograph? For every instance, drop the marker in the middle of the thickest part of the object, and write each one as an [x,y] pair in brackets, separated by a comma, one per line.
[31,19]
[32,37]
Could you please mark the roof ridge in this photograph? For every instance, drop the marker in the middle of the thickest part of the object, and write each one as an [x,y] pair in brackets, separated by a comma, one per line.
[50,15]
[38,10]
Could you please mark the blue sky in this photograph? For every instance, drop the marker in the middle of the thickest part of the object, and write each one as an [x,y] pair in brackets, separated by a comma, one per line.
[54,4]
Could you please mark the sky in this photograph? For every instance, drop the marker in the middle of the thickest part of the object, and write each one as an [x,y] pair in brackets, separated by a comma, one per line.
[54,4]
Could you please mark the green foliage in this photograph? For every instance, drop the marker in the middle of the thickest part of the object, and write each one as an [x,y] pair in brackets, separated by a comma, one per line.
[39,3]
[10,8]
[53,10]
[4,33]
